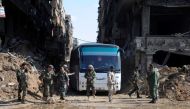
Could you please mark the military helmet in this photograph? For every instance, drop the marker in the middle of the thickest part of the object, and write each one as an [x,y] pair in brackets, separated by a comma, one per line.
[50,66]
[90,67]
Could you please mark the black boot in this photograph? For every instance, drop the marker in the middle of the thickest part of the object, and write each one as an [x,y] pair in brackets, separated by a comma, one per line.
[138,96]
[23,101]
[153,101]
[129,95]
[62,98]
[19,99]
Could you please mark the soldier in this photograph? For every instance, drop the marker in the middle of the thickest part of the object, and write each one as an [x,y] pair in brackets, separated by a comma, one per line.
[63,82]
[111,83]
[135,83]
[47,79]
[90,75]
[22,78]
[153,79]
[66,68]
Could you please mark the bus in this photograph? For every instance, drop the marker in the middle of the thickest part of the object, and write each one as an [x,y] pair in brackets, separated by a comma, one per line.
[101,56]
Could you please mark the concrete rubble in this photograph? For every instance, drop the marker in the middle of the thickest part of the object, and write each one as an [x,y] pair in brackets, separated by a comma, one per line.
[10,61]
[174,83]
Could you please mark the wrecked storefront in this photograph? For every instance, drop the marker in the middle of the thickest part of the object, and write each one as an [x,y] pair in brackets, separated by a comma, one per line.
[148,30]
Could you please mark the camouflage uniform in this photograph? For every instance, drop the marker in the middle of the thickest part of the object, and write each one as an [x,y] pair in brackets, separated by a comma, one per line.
[135,83]
[90,75]
[154,84]
[48,85]
[66,68]
[110,83]
[63,81]
[22,78]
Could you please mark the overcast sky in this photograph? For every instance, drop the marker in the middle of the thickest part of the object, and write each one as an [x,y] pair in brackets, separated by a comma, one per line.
[84,15]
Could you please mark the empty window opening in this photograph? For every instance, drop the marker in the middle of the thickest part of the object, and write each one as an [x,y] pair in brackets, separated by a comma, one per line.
[168,21]
[171,59]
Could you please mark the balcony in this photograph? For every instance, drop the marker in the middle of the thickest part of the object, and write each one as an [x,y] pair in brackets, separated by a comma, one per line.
[172,44]
[170,3]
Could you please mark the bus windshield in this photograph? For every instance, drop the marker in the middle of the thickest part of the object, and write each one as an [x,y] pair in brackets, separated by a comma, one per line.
[101,63]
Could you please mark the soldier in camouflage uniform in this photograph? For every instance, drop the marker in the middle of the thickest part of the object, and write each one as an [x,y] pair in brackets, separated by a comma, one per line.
[22,78]
[153,79]
[47,79]
[63,82]
[111,83]
[135,83]
[66,68]
[90,75]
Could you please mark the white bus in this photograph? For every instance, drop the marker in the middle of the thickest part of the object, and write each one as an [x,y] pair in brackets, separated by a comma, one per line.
[101,56]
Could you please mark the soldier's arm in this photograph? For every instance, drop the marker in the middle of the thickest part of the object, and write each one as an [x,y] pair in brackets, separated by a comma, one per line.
[17,75]
[67,79]
[85,75]
[113,78]
[41,76]
[94,75]
[27,79]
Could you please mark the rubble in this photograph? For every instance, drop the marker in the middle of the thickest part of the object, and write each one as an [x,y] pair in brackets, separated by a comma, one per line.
[176,85]
[9,63]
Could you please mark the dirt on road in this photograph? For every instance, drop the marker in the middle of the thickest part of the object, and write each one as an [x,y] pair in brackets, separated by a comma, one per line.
[120,101]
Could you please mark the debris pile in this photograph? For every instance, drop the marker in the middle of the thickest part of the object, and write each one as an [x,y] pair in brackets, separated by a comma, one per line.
[17,52]
[175,83]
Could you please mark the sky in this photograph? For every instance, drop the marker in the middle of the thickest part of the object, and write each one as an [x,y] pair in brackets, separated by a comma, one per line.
[84,15]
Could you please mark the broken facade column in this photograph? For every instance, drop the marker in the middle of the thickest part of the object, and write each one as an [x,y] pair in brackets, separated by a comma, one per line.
[145,32]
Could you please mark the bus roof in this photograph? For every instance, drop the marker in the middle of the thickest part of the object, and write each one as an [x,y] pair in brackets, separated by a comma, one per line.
[98,44]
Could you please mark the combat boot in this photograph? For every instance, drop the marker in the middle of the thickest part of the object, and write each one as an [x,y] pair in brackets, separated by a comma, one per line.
[129,95]
[62,98]
[110,99]
[153,101]
[139,97]
[19,99]
[23,101]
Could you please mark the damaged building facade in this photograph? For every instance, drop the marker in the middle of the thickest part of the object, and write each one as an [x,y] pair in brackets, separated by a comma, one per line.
[148,30]
[42,22]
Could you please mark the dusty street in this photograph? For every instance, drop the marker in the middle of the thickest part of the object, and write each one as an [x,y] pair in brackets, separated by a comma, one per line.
[120,101]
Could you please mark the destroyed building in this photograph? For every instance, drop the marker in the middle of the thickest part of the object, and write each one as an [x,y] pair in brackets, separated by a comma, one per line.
[43,23]
[148,30]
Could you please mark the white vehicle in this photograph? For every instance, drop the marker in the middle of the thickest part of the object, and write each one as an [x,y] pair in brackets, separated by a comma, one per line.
[101,56]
